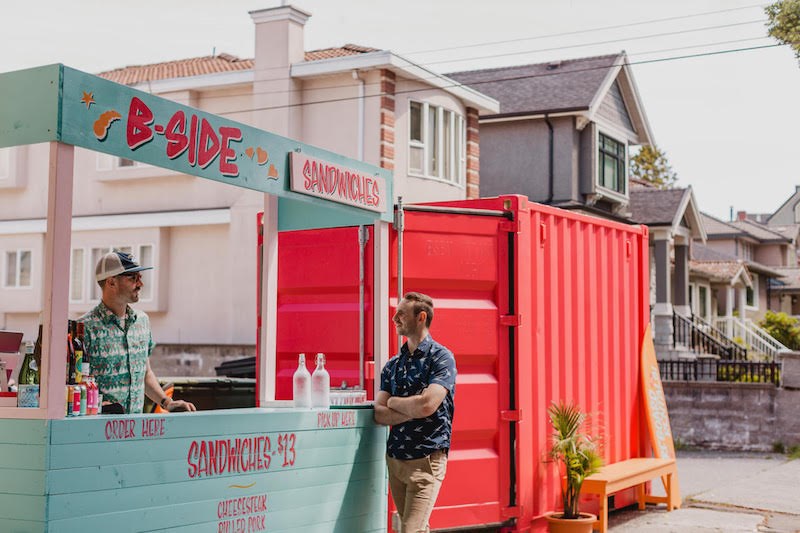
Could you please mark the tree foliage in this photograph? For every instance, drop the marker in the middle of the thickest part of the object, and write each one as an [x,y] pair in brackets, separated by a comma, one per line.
[783,328]
[784,23]
[651,164]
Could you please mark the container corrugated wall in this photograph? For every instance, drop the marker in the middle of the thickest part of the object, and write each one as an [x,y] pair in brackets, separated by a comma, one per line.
[538,305]
[577,311]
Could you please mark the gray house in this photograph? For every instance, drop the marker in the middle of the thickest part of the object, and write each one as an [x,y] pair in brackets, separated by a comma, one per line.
[563,132]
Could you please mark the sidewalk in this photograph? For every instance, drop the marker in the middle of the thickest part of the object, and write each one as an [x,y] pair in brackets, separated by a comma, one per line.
[725,492]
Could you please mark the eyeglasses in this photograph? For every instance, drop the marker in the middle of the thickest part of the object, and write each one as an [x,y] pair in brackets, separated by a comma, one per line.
[133,276]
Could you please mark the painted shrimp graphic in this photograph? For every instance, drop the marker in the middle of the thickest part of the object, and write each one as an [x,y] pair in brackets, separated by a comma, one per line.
[102,124]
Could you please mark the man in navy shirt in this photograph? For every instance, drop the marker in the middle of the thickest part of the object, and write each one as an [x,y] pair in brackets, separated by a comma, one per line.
[416,399]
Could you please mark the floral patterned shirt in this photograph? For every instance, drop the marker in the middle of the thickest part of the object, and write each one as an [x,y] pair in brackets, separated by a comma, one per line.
[408,374]
[118,353]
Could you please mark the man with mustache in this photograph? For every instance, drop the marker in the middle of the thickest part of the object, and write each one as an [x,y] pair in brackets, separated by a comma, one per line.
[118,339]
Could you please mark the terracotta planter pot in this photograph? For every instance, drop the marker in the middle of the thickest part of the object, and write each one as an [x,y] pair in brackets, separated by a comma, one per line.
[583,524]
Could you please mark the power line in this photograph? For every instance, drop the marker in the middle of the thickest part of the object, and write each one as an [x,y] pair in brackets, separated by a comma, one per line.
[579,32]
[610,41]
[513,78]
[493,56]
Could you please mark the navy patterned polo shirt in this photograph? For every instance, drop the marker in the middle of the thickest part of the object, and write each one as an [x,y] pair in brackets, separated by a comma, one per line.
[408,374]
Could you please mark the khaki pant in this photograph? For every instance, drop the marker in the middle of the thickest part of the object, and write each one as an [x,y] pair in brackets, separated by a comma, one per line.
[415,484]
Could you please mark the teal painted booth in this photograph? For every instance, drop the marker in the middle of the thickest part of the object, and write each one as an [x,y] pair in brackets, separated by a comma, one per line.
[227,471]
[232,471]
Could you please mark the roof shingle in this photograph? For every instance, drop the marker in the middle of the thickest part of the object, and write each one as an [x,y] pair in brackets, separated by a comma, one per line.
[655,207]
[568,85]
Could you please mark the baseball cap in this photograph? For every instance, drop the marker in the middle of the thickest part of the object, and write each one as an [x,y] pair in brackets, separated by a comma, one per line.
[115,263]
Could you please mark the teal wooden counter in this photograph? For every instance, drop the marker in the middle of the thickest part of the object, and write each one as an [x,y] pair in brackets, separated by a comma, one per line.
[231,471]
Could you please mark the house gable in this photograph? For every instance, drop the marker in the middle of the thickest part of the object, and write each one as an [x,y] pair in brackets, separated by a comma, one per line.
[613,110]
[788,212]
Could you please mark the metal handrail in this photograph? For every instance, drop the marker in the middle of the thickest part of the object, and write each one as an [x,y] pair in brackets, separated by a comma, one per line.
[757,340]
[699,336]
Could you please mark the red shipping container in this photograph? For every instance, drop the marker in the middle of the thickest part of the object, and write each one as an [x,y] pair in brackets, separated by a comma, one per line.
[538,305]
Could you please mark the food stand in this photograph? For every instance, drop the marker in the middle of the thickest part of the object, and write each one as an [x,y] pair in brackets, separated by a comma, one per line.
[270,468]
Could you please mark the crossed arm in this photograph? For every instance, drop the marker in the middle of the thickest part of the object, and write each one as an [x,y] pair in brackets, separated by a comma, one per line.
[391,410]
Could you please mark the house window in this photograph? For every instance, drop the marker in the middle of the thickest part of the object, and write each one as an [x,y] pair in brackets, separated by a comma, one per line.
[17,268]
[77,272]
[142,254]
[436,143]
[5,163]
[110,162]
[702,301]
[612,173]
[752,293]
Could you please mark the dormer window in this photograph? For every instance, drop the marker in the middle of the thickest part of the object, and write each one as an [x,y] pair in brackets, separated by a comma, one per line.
[612,172]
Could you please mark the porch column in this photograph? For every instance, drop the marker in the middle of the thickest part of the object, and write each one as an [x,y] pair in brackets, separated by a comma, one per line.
[662,312]
[681,302]
[730,296]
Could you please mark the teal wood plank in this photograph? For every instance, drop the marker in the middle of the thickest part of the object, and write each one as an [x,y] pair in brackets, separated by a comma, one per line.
[229,165]
[20,431]
[8,525]
[63,506]
[22,456]
[30,110]
[29,482]
[333,501]
[22,507]
[139,451]
[203,424]
[173,471]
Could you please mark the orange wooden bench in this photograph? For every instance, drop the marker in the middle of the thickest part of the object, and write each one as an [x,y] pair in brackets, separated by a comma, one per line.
[631,473]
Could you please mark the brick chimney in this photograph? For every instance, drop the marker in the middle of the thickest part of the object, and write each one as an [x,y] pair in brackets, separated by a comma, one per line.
[279,43]
[741,215]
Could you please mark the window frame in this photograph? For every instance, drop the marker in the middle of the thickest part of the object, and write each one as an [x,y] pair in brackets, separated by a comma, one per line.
[17,269]
[752,291]
[622,163]
[448,153]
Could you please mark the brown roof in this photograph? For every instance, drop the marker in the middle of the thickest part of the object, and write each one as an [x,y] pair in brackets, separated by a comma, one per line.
[655,207]
[198,66]
[789,280]
[717,271]
[568,85]
[342,51]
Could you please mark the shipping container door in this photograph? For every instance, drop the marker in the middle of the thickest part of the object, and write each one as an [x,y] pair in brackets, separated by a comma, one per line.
[318,305]
[461,261]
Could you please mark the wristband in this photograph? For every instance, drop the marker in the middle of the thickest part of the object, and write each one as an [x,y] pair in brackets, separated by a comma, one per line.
[165,402]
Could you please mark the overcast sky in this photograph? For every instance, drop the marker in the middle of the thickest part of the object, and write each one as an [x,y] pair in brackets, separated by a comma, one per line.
[729,123]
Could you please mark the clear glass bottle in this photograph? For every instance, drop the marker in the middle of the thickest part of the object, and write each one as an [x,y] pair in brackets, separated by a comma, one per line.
[320,385]
[301,383]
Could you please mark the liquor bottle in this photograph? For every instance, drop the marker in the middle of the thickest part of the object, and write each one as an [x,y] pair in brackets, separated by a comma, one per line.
[71,373]
[320,385]
[29,371]
[301,384]
[86,366]
[77,348]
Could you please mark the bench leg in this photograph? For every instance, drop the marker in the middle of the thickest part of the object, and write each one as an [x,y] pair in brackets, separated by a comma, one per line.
[640,495]
[668,490]
[603,513]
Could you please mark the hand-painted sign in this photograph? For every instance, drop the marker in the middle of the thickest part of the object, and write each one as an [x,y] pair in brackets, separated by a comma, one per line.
[107,117]
[239,455]
[336,419]
[241,515]
[334,182]
[132,428]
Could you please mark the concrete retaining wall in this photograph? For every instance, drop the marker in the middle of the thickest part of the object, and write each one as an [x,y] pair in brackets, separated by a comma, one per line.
[737,416]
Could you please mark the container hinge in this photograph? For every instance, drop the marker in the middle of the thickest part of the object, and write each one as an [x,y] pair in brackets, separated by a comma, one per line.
[511,512]
[511,226]
[511,320]
[511,416]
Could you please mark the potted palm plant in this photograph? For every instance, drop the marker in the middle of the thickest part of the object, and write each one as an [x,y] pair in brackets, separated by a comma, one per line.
[579,455]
